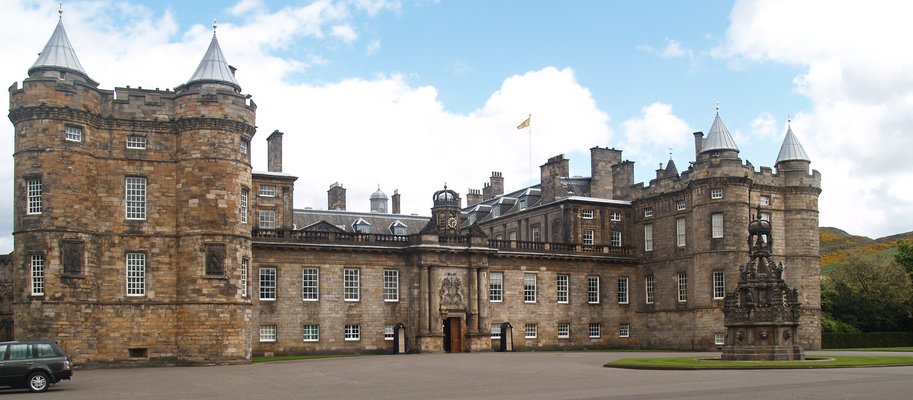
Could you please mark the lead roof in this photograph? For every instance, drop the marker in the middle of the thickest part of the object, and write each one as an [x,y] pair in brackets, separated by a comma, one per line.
[718,138]
[214,68]
[791,150]
[58,53]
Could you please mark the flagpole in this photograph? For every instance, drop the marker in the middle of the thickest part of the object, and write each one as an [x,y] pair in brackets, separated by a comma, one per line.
[529,130]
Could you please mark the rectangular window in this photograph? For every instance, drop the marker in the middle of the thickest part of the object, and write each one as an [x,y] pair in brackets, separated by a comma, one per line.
[267,191]
[351,284]
[680,205]
[716,225]
[680,232]
[389,330]
[719,339]
[682,287]
[37,266]
[534,234]
[135,197]
[624,330]
[594,330]
[245,196]
[496,287]
[765,200]
[352,332]
[495,211]
[648,237]
[391,285]
[244,278]
[719,285]
[616,216]
[648,289]
[136,142]
[623,290]
[512,235]
[616,238]
[562,288]
[310,284]
[588,238]
[592,289]
[531,331]
[72,133]
[267,284]
[33,197]
[311,333]
[245,145]
[564,330]
[716,193]
[268,333]
[136,274]
[587,214]
[267,219]
[529,288]
[521,204]
[495,331]
[648,212]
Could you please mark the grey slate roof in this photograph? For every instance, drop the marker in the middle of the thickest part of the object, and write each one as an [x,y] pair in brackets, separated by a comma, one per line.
[791,150]
[58,53]
[214,68]
[718,138]
[380,223]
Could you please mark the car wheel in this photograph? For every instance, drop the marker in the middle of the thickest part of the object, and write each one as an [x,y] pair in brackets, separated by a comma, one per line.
[38,382]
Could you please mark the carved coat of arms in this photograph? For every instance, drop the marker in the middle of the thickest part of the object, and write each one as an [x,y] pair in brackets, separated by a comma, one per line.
[451,289]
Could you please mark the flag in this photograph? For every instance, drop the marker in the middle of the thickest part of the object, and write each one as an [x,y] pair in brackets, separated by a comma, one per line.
[524,124]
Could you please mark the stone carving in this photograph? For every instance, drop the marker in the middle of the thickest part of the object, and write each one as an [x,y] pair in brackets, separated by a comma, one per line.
[451,290]
[71,253]
[215,259]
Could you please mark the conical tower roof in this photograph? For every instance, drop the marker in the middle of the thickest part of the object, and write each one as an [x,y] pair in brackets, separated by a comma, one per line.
[671,170]
[58,53]
[791,150]
[214,68]
[718,138]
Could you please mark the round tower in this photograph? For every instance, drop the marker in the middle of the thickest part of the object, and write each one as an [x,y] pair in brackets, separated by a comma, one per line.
[379,201]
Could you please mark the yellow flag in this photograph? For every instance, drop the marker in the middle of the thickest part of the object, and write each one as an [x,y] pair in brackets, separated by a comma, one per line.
[524,124]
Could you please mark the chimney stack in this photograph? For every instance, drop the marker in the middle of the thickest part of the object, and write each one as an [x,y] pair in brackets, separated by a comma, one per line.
[274,152]
[336,197]
[396,209]
[473,197]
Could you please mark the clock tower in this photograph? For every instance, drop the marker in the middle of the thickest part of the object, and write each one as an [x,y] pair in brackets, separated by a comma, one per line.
[446,212]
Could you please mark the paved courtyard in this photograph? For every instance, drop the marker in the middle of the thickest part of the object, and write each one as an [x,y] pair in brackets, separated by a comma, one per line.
[531,375]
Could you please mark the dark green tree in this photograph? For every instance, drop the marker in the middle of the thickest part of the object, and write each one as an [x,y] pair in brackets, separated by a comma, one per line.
[904,255]
[871,292]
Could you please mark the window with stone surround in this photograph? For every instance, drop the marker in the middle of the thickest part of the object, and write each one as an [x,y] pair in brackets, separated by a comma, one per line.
[36,262]
[389,331]
[562,288]
[72,133]
[719,285]
[680,232]
[648,212]
[267,191]
[564,330]
[529,288]
[624,330]
[616,216]
[310,333]
[310,284]
[268,333]
[33,196]
[268,284]
[245,198]
[244,146]
[391,285]
[682,287]
[623,290]
[267,219]
[594,330]
[680,205]
[136,142]
[245,265]
[648,289]
[616,238]
[530,331]
[592,289]
[135,197]
[495,331]
[352,284]
[496,287]
[534,233]
[765,200]
[716,225]
[588,238]
[648,237]
[352,332]
[716,193]
[587,214]
[136,274]
[719,339]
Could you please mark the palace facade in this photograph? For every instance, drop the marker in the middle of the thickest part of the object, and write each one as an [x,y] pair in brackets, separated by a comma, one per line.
[142,234]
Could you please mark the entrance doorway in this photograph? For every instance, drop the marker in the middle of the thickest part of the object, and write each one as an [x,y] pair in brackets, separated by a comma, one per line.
[453,335]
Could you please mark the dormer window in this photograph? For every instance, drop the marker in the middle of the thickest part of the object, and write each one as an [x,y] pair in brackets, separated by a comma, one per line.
[495,211]
[361,226]
[398,228]
[267,191]
[472,218]
[522,203]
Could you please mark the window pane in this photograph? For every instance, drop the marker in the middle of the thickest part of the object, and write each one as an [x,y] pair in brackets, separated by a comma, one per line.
[37,264]
[495,286]
[33,197]
[562,288]
[529,288]
[310,288]
[267,284]
[352,284]
[391,285]
[135,197]
[592,295]
[136,274]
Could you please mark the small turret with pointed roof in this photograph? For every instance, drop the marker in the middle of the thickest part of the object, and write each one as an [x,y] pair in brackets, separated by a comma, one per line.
[213,68]
[719,141]
[791,149]
[58,55]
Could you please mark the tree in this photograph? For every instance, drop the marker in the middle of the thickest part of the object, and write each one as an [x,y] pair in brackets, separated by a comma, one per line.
[870,292]
[904,255]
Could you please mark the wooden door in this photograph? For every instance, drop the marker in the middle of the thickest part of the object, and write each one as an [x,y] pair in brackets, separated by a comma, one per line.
[456,335]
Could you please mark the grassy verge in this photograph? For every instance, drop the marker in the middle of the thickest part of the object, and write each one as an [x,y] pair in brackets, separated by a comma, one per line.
[706,363]
[876,349]
[262,359]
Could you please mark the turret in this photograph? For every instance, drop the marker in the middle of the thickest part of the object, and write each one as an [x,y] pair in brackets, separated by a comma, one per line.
[379,201]
[718,143]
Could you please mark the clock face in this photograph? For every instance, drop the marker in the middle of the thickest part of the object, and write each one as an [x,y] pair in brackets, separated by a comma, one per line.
[452,223]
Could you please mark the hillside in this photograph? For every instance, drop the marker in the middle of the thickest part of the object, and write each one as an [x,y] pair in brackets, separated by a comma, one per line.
[836,244]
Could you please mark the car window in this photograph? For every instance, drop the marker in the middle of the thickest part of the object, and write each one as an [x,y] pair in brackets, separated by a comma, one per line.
[20,351]
[2,352]
[44,350]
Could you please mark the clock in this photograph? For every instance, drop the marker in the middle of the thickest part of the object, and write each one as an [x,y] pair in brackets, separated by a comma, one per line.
[452,223]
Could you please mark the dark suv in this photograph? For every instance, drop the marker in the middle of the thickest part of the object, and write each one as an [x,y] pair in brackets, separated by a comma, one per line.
[33,364]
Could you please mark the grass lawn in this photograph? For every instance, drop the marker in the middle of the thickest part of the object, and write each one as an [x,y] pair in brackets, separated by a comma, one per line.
[261,359]
[709,363]
[876,349]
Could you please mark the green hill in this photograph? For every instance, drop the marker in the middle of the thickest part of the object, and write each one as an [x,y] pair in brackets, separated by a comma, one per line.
[836,244]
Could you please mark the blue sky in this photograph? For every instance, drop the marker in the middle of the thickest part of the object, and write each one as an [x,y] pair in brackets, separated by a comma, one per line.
[408,95]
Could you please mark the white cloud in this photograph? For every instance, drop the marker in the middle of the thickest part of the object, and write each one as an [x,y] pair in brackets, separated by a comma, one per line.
[765,126]
[857,79]
[658,127]
[344,32]
[246,6]
[672,49]
[373,47]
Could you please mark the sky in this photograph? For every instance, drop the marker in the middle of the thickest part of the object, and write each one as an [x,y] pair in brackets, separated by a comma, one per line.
[412,95]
